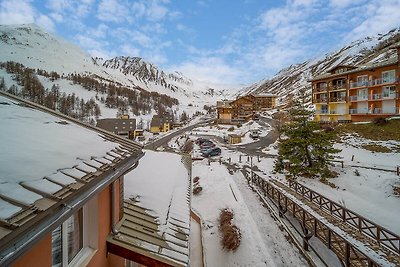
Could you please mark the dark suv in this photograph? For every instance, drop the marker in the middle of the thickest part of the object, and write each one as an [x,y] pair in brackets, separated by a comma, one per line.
[215,151]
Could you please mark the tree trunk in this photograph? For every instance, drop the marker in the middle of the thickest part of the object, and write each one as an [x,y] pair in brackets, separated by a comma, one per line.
[309,159]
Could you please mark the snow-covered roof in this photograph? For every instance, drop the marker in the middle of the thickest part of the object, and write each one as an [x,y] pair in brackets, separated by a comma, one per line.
[263,95]
[47,158]
[385,63]
[156,220]
[224,104]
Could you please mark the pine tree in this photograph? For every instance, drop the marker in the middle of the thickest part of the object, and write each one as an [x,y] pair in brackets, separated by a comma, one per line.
[2,84]
[305,149]
[184,117]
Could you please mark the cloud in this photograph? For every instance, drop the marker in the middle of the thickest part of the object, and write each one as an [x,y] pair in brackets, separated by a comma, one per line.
[16,12]
[129,50]
[112,11]
[45,22]
[22,12]
[94,47]
[209,69]
[378,17]
[77,8]
[344,3]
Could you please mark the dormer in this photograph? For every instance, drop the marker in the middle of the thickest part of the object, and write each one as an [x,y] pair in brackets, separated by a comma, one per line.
[340,69]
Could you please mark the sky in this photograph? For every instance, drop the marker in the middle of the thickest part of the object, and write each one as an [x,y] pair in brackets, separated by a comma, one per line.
[220,41]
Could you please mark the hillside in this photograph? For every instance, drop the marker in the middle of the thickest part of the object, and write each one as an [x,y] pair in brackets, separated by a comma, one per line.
[36,49]
[290,80]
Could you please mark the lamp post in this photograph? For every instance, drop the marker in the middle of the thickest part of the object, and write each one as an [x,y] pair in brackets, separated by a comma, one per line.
[251,168]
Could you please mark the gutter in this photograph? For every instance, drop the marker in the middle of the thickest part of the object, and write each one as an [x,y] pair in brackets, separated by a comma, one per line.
[63,210]
[114,220]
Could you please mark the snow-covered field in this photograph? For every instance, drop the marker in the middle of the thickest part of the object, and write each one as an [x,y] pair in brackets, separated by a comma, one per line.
[370,194]
[262,243]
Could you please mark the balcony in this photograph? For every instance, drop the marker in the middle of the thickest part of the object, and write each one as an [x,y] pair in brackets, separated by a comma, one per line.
[320,100]
[389,110]
[375,97]
[320,89]
[388,95]
[377,82]
[358,111]
[385,110]
[337,99]
[338,87]
[359,84]
[358,98]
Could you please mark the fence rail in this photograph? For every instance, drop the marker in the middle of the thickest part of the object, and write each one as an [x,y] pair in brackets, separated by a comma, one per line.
[312,225]
[365,226]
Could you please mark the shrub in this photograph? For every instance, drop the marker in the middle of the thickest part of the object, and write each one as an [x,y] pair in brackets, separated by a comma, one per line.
[379,121]
[196,179]
[197,190]
[231,235]
[231,129]
[356,173]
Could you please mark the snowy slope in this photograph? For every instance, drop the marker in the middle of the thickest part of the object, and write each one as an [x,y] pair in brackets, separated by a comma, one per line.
[290,80]
[33,47]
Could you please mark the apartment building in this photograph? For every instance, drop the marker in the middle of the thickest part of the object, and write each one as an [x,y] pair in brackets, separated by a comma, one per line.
[244,108]
[357,93]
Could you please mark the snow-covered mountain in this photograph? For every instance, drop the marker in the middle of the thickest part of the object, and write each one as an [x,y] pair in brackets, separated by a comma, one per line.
[33,47]
[290,80]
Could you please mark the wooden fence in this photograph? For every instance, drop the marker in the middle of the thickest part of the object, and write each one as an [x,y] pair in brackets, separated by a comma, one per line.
[365,226]
[330,235]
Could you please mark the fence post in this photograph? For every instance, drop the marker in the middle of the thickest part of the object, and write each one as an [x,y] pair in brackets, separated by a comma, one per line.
[240,158]
[398,170]
[342,164]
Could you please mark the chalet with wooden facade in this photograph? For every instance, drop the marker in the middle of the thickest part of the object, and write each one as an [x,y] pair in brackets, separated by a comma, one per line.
[244,108]
[224,111]
[358,93]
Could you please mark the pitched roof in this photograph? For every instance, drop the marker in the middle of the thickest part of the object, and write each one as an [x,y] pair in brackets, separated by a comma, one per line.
[371,66]
[224,104]
[50,164]
[156,220]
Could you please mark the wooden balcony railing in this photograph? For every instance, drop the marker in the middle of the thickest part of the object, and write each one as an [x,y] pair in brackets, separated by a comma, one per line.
[365,226]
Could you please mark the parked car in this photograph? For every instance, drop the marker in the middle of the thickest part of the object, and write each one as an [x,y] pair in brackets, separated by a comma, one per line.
[206,146]
[201,140]
[215,151]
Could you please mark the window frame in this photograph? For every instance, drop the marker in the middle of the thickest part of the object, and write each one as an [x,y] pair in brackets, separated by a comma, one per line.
[390,78]
[89,236]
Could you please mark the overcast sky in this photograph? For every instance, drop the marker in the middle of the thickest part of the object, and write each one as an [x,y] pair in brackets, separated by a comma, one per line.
[222,41]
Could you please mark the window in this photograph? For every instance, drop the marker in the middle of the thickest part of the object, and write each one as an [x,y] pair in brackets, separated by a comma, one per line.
[362,80]
[324,109]
[389,91]
[67,239]
[73,242]
[388,76]
[362,94]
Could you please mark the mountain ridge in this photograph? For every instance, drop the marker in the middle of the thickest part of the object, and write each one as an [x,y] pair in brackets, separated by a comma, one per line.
[290,80]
